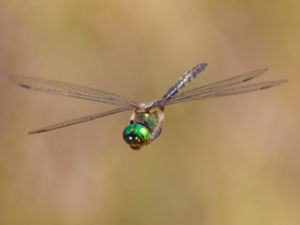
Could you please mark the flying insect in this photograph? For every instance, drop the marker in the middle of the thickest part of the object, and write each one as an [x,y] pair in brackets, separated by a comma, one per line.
[147,119]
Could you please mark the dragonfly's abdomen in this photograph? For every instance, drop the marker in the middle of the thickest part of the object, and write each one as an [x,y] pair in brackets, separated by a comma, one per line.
[188,77]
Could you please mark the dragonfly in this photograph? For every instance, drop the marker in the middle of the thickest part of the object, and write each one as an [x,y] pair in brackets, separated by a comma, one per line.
[146,121]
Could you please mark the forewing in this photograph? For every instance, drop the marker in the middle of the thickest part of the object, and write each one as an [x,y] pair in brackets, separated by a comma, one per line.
[229,91]
[223,84]
[80,120]
[72,90]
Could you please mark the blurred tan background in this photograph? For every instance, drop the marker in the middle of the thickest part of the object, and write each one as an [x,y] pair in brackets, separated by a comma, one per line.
[229,161]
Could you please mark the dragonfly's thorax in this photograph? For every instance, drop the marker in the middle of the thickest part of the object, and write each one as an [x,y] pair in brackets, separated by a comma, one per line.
[150,117]
[145,125]
[150,106]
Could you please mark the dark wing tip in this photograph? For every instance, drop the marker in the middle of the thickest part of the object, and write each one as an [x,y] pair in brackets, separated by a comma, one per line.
[37,131]
[274,83]
[25,86]
[18,81]
[253,74]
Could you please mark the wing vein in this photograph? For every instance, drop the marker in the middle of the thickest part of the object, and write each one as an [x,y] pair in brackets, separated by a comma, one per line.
[80,120]
[223,84]
[230,91]
[72,90]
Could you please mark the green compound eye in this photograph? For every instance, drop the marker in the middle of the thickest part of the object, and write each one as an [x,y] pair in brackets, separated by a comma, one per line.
[136,135]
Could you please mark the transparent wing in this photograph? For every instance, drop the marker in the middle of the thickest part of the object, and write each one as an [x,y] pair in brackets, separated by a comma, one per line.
[223,84]
[188,77]
[72,90]
[228,91]
[80,120]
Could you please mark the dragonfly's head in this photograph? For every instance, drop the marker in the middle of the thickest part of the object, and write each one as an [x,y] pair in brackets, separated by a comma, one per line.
[136,135]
